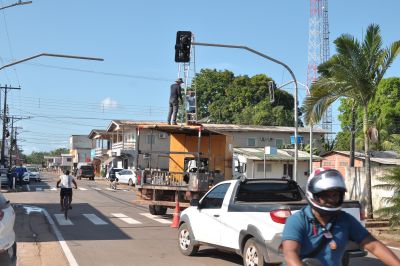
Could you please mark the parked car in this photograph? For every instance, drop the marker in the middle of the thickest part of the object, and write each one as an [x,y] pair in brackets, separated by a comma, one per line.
[7,234]
[86,171]
[126,176]
[111,173]
[34,174]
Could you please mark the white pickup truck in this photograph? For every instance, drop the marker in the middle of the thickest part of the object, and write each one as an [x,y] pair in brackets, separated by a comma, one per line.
[248,217]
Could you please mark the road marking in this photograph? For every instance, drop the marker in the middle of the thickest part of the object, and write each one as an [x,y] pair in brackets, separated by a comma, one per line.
[94,219]
[156,218]
[63,244]
[61,219]
[53,188]
[82,188]
[125,218]
[108,188]
[96,188]
[39,189]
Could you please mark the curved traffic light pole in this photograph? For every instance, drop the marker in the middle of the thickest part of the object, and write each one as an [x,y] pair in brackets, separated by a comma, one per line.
[295,94]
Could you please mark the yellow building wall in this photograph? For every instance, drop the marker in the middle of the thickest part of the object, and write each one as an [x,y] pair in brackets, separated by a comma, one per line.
[217,148]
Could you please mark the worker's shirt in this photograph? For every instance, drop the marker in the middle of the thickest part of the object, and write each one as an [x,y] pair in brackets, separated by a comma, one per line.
[66,181]
[175,93]
[303,228]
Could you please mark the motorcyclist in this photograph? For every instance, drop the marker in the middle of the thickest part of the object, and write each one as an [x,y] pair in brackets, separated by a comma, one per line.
[321,230]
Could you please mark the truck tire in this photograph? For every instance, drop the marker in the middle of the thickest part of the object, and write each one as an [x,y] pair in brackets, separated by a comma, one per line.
[160,210]
[252,254]
[152,209]
[186,241]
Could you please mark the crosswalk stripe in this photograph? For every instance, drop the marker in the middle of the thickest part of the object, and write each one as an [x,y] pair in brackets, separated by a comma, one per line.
[53,188]
[96,188]
[82,188]
[108,188]
[61,219]
[39,189]
[125,218]
[156,218]
[94,219]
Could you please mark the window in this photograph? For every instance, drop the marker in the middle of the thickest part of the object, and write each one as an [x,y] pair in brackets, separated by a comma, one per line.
[150,139]
[279,143]
[328,163]
[251,142]
[260,167]
[344,163]
[69,159]
[214,199]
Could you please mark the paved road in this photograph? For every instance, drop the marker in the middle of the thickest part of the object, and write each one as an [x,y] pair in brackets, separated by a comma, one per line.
[105,228]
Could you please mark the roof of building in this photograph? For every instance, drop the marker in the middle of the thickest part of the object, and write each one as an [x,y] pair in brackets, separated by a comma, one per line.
[116,124]
[281,155]
[381,157]
[238,128]
[98,133]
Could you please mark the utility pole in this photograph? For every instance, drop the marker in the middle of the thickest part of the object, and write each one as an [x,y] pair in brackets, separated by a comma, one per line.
[13,135]
[3,140]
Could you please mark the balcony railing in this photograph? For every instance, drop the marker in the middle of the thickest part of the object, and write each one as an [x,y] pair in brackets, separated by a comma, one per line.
[100,152]
[130,145]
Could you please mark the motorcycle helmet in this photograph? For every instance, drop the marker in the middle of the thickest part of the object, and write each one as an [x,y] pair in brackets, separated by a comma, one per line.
[325,179]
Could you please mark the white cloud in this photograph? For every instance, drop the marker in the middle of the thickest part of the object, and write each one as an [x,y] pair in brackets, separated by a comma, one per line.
[108,103]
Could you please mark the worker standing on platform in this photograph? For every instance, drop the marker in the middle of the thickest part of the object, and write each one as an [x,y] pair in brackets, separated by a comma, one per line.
[174,101]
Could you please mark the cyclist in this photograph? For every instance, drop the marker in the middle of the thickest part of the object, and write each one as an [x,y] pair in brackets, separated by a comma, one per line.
[66,181]
[321,230]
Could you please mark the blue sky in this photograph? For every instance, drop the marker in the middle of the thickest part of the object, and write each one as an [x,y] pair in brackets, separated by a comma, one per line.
[136,39]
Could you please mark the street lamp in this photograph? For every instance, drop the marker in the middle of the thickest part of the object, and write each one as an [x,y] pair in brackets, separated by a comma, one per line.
[311,126]
[2,159]
[19,3]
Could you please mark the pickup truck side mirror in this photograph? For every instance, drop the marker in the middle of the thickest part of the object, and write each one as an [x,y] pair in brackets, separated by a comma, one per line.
[194,202]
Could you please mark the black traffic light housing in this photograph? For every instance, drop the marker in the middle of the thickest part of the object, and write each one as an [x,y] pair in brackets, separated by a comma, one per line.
[182,46]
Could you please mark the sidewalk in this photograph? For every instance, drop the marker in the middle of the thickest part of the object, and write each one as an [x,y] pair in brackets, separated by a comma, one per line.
[36,242]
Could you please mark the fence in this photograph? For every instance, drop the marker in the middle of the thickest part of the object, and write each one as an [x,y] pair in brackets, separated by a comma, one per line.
[357,187]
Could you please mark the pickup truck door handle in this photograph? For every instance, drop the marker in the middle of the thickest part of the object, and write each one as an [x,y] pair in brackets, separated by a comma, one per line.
[216,215]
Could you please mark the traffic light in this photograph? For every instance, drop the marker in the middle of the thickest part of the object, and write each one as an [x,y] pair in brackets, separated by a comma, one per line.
[182,46]
[271,88]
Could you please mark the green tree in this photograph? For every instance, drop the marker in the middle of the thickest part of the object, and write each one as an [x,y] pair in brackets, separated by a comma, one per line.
[354,72]
[224,98]
[391,183]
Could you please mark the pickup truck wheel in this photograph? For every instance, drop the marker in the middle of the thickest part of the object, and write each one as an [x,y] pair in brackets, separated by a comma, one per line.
[152,209]
[160,210]
[130,183]
[186,245]
[252,254]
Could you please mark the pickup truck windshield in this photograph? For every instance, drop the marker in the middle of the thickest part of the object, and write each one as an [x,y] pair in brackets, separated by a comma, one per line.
[268,191]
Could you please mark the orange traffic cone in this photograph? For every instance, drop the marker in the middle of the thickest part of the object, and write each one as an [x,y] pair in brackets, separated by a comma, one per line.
[175,220]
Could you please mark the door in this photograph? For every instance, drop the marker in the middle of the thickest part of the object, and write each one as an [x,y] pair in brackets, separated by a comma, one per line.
[206,223]
[288,170]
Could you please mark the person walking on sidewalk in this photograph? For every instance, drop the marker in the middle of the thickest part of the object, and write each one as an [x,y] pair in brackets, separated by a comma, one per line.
[66,181]
[174,97]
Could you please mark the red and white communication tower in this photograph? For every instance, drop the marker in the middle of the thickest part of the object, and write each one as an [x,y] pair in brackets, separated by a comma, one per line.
[318,49]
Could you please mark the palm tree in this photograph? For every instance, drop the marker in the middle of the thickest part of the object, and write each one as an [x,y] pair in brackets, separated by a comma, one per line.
[354,72]
[391,183]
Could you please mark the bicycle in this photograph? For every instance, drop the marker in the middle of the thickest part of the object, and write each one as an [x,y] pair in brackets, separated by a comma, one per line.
[114,184]
[66,206]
